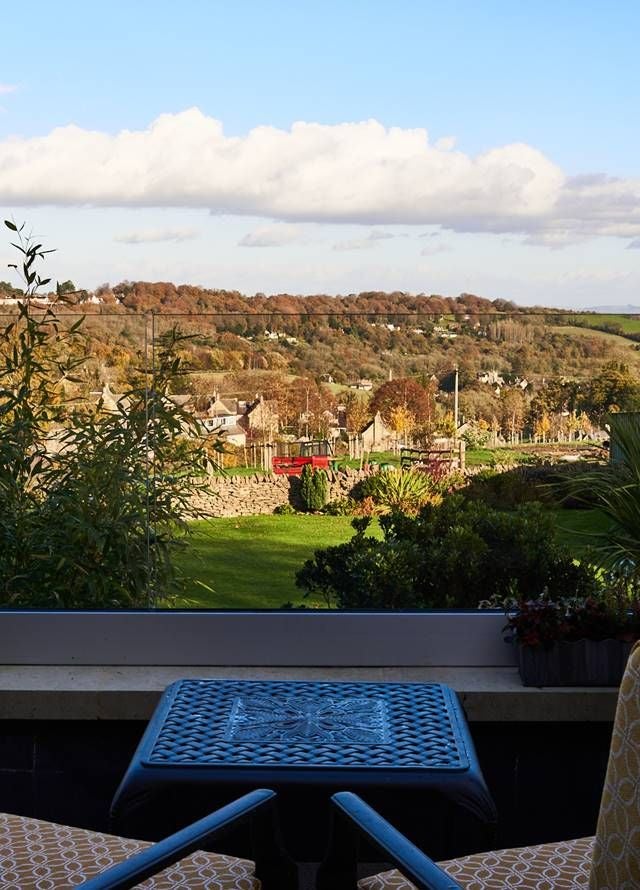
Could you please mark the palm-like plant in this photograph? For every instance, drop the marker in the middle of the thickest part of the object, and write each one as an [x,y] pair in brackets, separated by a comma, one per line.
[405,491]
[615,490]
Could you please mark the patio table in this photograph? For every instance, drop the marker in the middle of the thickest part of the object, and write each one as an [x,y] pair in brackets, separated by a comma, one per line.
[406,747]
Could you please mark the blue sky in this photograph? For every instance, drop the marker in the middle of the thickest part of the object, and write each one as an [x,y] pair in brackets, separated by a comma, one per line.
[504,158]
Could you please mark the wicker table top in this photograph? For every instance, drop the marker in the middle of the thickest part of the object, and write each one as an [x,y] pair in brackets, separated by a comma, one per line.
[334,725]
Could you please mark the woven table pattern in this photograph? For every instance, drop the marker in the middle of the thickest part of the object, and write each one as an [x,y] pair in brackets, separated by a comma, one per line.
[259,723]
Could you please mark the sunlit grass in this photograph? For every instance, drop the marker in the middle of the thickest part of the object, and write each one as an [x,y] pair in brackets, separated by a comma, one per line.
[250,561]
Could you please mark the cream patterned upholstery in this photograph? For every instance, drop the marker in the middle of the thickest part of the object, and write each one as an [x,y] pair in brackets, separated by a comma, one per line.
[616,854]
[610,861]
[36,855]
[563,866]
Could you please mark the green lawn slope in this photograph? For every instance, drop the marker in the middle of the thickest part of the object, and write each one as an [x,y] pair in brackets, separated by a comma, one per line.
[250,561]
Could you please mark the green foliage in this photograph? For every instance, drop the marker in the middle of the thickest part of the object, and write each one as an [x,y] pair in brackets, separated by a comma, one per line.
[615,388]
[615,490]
[314,487]
[340,507]
[92,503]
[453,555]
[284,510]
[405,491]
[476,436]
[505,490]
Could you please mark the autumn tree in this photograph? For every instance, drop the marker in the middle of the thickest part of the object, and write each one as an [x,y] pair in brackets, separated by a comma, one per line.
[478,404]
[357,410]
[613,389]
[407,394]
[309,405]
[402,421]
[512,411]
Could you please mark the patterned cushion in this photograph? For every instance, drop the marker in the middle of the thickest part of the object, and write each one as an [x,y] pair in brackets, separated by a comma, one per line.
[562,866]
[36,855]
[610,861]
[616,853]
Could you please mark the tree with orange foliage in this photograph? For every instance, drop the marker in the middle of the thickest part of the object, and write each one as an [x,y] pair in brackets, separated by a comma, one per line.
[407,394]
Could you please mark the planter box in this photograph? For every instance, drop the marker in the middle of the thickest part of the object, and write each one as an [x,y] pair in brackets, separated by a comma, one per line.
[579,663]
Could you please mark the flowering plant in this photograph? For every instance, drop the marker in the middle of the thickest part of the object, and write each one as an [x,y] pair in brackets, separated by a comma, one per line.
[612,613]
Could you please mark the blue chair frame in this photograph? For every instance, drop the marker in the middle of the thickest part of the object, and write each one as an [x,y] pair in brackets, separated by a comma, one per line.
[257,809]
[354,821]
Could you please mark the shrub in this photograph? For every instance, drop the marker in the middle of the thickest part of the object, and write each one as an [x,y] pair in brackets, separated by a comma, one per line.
[505,490]
[284,510]
[476,435]
[452,555]
[615,490]
[94,522]
[404,490]
[340,507]
[313,488]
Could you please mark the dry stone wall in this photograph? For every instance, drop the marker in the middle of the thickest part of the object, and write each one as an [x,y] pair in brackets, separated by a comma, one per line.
[263,492]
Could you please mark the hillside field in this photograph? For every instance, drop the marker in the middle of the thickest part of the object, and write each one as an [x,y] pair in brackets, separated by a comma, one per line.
[627,324]
[613,339]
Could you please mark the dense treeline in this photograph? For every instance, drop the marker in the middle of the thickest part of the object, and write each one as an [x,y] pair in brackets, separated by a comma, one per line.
[288,348]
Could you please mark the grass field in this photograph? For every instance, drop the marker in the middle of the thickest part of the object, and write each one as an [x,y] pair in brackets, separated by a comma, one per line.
[250,562]
[627,325]
[574,527]
[613,339]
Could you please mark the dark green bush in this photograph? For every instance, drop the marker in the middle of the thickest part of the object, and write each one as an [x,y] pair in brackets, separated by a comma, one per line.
[504,490]
[549,483]
[313,488]
[284,510]
[454,555]
[340,507]
[93,522]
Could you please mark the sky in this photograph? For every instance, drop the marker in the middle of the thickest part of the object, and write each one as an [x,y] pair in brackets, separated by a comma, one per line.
[483,146]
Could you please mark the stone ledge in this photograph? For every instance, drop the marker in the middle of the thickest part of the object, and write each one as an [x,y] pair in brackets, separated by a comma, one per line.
[131,693]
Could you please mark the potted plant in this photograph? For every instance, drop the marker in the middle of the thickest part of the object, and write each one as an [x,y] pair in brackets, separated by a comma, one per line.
[575,641]
[586,640]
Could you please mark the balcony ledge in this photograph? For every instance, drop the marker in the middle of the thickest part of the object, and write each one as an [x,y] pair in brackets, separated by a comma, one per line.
[489,694]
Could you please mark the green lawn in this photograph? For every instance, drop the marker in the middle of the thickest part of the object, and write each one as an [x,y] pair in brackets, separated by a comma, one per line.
[613,339]
[574,527]
[251,561]
[627,325]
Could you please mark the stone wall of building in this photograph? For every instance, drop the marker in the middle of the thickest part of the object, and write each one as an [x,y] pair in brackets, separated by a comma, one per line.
[263,492]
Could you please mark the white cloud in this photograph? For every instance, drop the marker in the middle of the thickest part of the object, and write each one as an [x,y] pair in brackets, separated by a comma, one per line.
[354,244]
[433,249]
[378,235]
[634,245]
[365,243]
[359,173]
[7,88]
[270,236]
[151,236]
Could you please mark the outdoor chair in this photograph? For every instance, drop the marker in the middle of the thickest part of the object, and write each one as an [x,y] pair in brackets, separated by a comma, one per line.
[608,861]
[37,855]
